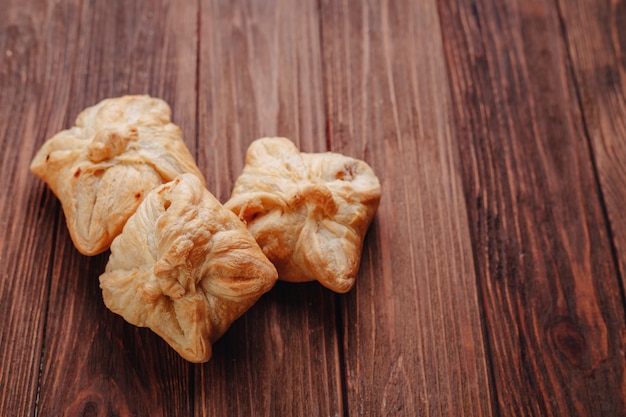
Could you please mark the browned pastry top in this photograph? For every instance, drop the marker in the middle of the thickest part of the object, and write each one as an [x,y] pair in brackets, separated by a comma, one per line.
[102,168]
[309,212]
[185,267]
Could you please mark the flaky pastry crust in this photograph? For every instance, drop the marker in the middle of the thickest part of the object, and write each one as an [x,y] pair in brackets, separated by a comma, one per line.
[308,212]
[185,267]
[102,168]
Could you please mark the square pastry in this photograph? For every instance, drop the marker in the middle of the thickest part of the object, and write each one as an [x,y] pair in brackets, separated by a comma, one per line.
[103,167]
[309,212]
[185,267]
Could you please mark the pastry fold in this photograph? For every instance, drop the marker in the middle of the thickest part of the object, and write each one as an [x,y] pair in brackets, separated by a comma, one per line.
[103,167]
[185,267]
[309,212]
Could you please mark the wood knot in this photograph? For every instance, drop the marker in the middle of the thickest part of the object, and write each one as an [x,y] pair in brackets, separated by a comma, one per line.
[90,408]
[569,341]
[103,397]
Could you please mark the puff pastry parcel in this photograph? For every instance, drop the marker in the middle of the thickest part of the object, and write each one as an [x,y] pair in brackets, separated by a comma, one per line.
[185,267]
[308,212]
[102,168]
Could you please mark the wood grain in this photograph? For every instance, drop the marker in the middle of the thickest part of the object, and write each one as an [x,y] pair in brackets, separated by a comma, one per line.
[261,76]
[596,39]
[492,278]
[412,331]
[551,292]
[30,63]
[94,363]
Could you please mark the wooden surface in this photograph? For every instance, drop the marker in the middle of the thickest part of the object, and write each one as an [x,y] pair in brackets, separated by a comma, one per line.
[492,278]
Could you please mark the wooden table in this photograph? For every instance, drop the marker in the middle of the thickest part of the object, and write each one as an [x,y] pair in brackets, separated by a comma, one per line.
[492,278]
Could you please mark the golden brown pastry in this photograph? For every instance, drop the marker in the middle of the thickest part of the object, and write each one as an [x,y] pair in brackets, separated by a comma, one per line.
[185,267]
[308,212]
[102,168]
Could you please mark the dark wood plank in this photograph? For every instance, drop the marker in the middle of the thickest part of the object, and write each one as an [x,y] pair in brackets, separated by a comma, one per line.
[94,363]
[261,76]
[34,57]
[549,285]
[412,332]
[596,37]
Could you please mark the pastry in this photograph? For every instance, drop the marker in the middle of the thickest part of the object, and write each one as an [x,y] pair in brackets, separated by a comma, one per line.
[309,212]
[103,167]
[185,267]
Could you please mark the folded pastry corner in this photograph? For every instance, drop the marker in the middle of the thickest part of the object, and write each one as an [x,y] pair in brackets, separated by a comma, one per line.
[185,267]
[102,168]
[309,212]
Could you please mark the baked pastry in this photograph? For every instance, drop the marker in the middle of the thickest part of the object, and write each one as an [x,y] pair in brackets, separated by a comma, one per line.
[308,212]
[102,168]
[185,267]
